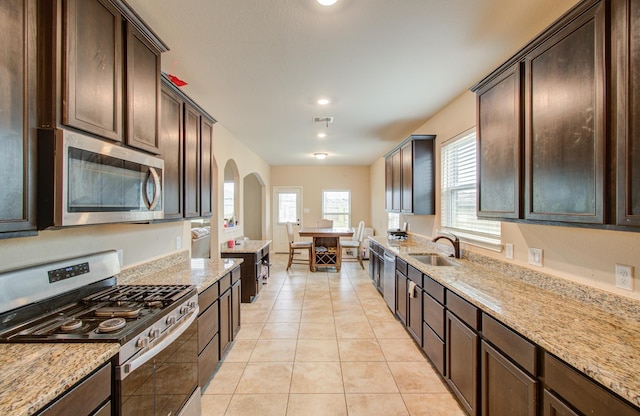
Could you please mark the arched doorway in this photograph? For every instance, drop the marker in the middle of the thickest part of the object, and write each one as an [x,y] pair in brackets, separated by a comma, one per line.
[253,206]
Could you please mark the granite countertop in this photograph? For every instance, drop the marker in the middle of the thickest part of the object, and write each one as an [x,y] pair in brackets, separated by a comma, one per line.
[596,332]
[35,374]
[245,247]
[178,270]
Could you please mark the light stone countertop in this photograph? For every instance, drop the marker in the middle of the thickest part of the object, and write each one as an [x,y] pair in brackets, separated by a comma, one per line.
[178,269]
[596,332]
[246,247]
[32,375]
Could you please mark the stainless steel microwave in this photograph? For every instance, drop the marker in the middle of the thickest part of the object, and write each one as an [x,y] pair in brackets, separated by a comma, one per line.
[83,180]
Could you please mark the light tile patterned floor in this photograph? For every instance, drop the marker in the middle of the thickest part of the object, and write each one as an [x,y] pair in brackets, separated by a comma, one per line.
[324,344]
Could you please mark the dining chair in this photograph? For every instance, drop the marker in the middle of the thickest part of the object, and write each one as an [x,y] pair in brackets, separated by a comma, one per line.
[297,245]
[324,223]
[354,244]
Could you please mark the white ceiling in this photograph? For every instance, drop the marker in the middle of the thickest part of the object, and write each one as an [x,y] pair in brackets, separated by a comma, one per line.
[258,66]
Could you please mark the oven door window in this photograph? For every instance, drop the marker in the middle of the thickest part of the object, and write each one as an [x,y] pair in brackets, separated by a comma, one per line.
[164,384]
[100,183]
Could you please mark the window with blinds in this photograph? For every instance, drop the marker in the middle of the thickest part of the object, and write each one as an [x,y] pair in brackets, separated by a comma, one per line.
[458,197]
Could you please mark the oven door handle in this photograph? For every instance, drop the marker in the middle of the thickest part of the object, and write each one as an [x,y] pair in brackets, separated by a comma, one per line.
[136,363]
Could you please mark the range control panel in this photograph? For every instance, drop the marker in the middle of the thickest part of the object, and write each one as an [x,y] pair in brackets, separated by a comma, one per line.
[68,272]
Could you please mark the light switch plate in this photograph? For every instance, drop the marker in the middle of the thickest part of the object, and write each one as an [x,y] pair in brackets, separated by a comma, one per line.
[508,251]
[120,256]
[624,277]
[178,243]
[535,256]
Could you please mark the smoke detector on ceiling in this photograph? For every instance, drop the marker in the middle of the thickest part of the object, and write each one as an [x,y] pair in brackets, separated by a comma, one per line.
[325,120]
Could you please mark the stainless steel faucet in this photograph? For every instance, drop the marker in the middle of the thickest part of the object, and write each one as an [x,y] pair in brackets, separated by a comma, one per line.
[455,241]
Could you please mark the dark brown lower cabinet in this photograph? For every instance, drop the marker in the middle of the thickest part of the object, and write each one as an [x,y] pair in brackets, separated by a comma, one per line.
[208,360]
[580,392]
[88,397]
[433,329]
[401,297]
[462,362]
[218,322]
[506,389]
[433,346]
[225,317]
[235,309]
[552,406]
[414,318]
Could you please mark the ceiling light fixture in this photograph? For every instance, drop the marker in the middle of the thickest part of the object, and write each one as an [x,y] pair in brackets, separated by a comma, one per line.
[320,156]
[322,135]
[323,101]
[327,2]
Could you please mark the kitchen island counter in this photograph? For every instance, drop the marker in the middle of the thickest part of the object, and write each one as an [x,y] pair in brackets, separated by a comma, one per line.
[255,266]
[33,375]
[594,331]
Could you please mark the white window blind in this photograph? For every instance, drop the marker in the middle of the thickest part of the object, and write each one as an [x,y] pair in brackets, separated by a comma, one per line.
[458,197]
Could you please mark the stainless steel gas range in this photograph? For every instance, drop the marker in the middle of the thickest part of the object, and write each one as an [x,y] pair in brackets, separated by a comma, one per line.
[77,300]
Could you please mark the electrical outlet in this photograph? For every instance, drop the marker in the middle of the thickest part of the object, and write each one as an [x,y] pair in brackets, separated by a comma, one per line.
[178,243]
[508,251]
[535,256]
[624,277]
[120,256]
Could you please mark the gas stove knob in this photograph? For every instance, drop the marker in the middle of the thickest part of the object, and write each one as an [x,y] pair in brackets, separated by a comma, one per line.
[192,304]
[184,310]
[142,342]
[171,320]
[154,333]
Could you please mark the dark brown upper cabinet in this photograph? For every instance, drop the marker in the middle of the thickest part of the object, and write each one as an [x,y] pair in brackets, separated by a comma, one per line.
[388,183]
[191,162]
[206,171]
[100,71]
[171,151]
[186,146]
[542,126]
[500,145]
[92,68]
[410,176]
[143,91]
[394,185]
[626,109]
[565,123]
[18,118]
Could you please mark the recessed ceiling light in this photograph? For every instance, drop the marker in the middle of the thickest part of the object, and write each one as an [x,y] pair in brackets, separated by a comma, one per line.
[320,156]
[323,101]
[327,2]
[322,135]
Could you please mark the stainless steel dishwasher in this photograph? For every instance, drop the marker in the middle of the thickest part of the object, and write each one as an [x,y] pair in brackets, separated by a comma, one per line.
[389,280]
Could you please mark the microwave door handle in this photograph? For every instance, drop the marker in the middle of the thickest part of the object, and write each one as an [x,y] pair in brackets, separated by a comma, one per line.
[153,174]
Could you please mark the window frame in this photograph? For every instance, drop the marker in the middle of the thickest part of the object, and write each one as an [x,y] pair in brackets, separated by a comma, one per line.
[348,213]
[481,235]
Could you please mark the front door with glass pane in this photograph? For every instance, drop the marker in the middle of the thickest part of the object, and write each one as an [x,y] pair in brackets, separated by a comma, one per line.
[287,204]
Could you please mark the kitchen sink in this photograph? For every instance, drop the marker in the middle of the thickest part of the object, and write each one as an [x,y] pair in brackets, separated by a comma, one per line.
[433,259]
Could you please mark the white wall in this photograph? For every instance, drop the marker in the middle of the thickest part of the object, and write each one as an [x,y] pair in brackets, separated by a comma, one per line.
[225,147]
[313,179]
